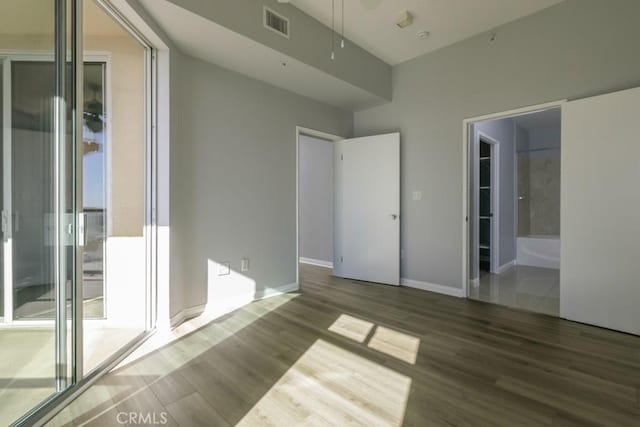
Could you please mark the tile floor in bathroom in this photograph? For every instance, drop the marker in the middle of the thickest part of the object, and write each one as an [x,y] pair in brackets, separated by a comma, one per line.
[529,288]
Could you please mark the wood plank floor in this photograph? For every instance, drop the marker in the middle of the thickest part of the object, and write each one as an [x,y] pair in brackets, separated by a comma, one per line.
[348,353]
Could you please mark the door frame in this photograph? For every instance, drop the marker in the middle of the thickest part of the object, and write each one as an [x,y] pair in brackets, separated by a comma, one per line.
[304,131]
[6,58]
[494,247]
[466,143]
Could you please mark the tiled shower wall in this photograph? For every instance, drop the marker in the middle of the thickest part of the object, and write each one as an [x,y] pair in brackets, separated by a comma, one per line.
[538,162]
[544,193]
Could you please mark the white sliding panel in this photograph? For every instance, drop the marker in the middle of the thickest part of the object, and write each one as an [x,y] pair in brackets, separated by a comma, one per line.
[600,219]
[367,206]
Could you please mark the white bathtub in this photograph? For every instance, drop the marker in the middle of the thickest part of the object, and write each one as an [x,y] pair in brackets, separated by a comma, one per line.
[539,251]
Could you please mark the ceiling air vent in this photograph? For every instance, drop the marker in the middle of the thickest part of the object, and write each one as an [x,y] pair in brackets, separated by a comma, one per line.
[276,23]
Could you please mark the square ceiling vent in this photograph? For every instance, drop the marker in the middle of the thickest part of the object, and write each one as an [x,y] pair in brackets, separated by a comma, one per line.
[276,22]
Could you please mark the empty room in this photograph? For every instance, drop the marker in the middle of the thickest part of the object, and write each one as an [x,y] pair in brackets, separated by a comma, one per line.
[320,212]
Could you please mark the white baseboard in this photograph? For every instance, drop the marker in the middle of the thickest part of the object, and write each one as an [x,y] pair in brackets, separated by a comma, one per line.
[317,262]
[225,305]
[186,314]
[432,287]
[272,292]
[506,266]
[228,304]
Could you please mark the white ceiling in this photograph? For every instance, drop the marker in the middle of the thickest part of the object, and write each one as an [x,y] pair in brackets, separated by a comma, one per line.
[540,119]
[371,23]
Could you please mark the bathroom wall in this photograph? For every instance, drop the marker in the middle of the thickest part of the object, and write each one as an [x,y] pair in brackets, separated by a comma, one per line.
[522,159]
[544,181]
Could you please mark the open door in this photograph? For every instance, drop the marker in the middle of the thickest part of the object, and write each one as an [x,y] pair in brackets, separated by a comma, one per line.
[600,218]
[367,209]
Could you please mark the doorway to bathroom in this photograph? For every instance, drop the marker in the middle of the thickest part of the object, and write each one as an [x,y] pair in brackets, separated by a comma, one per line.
[513,217]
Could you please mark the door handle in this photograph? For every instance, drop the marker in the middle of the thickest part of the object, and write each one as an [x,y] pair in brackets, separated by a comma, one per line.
[394,217]
[82,233]
[5,222]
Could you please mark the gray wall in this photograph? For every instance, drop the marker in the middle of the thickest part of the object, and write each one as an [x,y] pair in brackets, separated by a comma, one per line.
[233,160]
[575,49]
[178,241]
[544,137]
[316,198]
[503,131]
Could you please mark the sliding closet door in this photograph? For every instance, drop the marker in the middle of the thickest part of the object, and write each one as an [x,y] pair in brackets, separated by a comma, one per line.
[600,219]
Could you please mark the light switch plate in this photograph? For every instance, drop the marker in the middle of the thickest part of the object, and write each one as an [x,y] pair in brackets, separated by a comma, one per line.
[244,264]
[224,268]
[417,195]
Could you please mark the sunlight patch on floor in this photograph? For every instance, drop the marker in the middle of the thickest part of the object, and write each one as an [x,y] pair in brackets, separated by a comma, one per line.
[199,334]
[351,327]
[395,344]
[164,353]
[385,340]
[345,388]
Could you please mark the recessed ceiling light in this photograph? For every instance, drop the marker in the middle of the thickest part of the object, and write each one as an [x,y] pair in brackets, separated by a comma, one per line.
[423,34]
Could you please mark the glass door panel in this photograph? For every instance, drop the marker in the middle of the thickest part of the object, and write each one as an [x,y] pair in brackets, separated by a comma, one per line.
[94,194]
[3,225]
[32,189]
[36,255]
[113,192]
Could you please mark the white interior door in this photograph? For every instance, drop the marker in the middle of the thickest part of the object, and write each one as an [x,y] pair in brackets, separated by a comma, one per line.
[367,207]
[600,216]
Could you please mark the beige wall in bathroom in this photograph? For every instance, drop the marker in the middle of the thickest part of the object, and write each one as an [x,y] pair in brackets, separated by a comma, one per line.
[524,222]
[538,161]
[544,194]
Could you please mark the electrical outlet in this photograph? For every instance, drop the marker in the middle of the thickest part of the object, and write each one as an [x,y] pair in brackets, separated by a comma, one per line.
[224,268]
[244,264]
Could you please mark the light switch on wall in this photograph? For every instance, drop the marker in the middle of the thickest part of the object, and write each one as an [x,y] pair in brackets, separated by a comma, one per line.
[244,264]
[417,195]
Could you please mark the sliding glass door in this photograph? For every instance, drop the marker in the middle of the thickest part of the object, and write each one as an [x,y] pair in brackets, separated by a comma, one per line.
[30,190]
[112,195]
[75,197]
[37,184]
